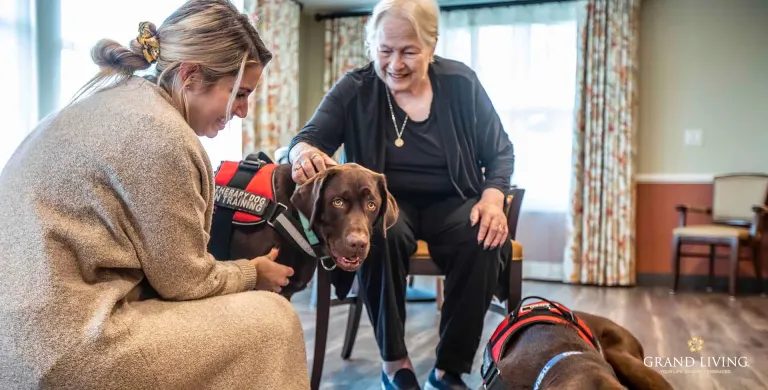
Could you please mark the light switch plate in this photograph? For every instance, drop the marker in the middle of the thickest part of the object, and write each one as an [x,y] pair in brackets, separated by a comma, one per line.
[692,137]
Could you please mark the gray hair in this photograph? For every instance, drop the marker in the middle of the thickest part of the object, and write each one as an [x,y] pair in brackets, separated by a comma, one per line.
[423,15]
[209,34]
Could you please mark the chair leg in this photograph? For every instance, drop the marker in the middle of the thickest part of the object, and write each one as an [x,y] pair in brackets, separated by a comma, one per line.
[515,284]
[676,244]
[734,258]
[757,263]
[439,292]
[323,312]
[712,254]
[353,323]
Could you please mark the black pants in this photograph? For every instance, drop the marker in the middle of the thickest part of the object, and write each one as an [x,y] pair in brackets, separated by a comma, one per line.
[471,278]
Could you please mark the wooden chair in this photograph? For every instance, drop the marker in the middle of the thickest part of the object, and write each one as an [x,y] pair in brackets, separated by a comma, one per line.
[738,211]
[421,264]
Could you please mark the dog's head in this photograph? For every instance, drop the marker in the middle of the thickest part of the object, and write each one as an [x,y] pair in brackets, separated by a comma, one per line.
[343,204]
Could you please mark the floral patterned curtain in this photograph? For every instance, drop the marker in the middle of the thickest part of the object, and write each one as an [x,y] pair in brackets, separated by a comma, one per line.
[344,47]
[273,113]
[344,51]
[601,248]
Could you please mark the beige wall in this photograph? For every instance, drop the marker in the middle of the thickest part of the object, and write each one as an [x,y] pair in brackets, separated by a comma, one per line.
[311,65]
[703,64]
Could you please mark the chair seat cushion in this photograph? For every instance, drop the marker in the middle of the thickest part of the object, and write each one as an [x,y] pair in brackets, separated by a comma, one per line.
[422,250]
[711,231]
[517,251]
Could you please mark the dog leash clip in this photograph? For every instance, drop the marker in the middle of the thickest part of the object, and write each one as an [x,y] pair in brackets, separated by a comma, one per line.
[327,268]
[492,379]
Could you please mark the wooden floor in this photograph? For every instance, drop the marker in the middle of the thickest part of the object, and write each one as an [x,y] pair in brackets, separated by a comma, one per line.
[663,323]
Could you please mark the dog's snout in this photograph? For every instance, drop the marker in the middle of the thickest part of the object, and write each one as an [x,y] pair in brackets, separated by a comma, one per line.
[357,240]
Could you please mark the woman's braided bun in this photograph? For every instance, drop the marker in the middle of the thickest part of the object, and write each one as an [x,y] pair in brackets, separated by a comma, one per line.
[109,54]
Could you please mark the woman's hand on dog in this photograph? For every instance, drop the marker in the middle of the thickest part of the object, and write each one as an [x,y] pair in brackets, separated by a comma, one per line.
[270,275]
[309,162]
[489,212]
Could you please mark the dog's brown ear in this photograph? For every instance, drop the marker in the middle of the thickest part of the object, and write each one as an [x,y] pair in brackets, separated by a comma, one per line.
[633,374]
[308,197]
[389,210]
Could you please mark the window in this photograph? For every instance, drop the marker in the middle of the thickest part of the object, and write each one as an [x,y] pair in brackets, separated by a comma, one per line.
[529,72]
[526,59]
[17,76]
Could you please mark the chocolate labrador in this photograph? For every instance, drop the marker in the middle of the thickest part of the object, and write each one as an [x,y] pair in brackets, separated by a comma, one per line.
[341,205]
[547,346]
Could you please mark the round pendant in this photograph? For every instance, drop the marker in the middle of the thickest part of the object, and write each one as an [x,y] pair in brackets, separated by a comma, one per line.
[399,142]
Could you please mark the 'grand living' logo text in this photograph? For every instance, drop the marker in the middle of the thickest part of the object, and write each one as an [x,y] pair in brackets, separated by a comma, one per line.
[699,364]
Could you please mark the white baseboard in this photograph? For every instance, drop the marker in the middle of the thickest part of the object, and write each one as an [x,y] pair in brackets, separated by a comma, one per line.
[542,270]
[676,178]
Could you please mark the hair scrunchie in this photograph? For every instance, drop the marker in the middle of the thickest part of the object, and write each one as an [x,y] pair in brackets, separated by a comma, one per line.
[150,45]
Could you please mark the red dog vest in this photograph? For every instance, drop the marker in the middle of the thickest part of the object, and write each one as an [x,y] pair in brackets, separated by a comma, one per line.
[543,311]
[251,202]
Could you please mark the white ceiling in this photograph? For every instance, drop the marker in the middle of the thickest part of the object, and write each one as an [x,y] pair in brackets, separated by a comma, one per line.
[357,5]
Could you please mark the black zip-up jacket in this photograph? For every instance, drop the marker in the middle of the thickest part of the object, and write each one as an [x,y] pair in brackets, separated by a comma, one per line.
[355,113]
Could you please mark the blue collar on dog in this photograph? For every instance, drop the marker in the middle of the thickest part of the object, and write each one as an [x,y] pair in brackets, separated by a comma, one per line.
[311,237]
[314,242]
[549,366]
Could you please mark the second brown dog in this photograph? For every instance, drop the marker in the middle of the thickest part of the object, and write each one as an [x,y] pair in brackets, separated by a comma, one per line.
[601,355]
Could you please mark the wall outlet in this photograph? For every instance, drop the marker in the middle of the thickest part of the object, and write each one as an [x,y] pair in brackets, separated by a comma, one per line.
[692,137]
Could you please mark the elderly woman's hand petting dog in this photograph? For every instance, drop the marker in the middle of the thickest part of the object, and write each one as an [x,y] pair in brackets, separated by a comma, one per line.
[271,275]
[309,162]
[489,212]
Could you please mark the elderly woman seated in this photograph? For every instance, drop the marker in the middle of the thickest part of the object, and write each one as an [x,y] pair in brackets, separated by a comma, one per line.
[426,123]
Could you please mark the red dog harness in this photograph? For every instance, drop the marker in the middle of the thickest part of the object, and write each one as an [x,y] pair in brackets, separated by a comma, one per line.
[543,311]
[245,195]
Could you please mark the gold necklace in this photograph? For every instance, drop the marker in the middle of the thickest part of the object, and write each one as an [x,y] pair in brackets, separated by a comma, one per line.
[399,141]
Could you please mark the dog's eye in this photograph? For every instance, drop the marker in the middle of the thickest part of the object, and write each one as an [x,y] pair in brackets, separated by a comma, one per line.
[371,205]
[338,202]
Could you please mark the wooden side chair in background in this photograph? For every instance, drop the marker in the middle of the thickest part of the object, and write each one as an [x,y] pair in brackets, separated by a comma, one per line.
[738,211]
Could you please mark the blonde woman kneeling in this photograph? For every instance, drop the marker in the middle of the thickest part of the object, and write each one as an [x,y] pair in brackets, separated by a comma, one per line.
[105,212]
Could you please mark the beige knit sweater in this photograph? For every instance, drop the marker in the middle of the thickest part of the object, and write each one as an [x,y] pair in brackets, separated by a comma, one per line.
[105,203]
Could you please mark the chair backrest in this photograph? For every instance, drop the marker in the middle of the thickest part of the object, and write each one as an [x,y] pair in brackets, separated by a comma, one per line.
[735,195]
[513,204]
